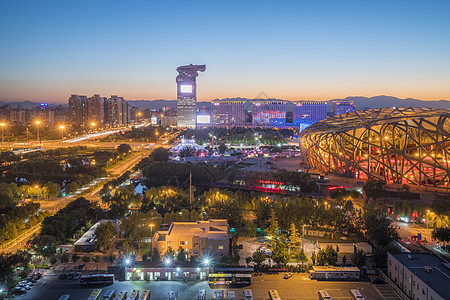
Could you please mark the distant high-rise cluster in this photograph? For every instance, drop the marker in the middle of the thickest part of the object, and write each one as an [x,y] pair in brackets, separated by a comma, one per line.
[269,112]
[98,110]
[343,107]
[187,94]
[24,116]
[308,112]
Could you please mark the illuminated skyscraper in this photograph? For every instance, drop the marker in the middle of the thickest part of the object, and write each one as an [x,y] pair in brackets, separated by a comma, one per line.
[187,94]
[269,112]
[78,109]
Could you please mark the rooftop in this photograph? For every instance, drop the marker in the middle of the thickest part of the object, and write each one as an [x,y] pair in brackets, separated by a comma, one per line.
[438,279]
[88,238]
[334,269]
[215,229]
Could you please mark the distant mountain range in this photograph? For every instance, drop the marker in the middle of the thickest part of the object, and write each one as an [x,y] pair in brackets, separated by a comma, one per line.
[360,103]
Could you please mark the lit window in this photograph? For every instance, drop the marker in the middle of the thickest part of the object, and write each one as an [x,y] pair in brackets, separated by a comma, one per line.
[220,247]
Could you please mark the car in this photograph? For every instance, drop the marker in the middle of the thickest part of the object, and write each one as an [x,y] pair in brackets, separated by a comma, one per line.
[376,280]
[19,290]
[288,275]
[240,246]
[80,267]
[63,276]
[77,275]
[24,286]
[70,276]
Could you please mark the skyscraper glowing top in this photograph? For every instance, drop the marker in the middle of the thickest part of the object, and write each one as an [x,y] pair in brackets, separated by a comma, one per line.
[187,94]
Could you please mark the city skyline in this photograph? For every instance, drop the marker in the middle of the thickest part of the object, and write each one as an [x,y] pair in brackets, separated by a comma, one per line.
[297,50]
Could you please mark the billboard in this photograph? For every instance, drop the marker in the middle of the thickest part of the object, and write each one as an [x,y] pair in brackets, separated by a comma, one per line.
[154,120]
[186,89]
[203,119]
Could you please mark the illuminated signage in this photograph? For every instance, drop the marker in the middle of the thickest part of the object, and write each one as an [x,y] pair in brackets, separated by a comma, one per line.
[186,89]
[203,119]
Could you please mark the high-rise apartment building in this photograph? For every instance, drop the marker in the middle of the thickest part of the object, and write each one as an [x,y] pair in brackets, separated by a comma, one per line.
[343,107]
[187,94]
[96,109]
[228,113]
[78,109]
[269,112]
[309,112]
[115,110]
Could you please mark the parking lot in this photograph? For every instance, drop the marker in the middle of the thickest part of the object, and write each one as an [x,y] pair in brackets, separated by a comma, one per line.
[295,288]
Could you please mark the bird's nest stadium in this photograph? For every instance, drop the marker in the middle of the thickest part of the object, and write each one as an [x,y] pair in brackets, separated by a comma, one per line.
[396,145]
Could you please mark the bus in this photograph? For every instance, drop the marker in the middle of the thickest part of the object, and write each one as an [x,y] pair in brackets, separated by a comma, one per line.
[97,279]
[95,294]
[220,279]
[242,279]
[323,295]
[134,295]
[145,295]
[248,295]
[109,294]
[356,295]
[232,295]
[201,295]
[220,295]
[273,294]
[122,295]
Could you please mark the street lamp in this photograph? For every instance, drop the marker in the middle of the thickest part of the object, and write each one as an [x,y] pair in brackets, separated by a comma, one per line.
[93,126]
[151,229]
[62,134]
[37,129]
[3,126]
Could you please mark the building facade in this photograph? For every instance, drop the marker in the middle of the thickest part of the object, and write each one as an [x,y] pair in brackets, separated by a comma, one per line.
[421,276]
[308,112]
[343,107]
[78,108]
[199,238]
[269,112]
[96,109]
[187,94]
[228,113]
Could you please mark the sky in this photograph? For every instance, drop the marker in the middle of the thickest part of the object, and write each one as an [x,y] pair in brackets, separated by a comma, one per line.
[293,50]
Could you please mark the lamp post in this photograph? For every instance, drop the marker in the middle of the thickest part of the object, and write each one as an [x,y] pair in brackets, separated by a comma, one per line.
[3,137]
[37,129]
[62,134]
[93,126]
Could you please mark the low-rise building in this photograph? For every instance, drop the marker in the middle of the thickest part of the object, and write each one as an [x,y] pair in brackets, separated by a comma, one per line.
[335,273]
[420,276]
[198,238]
[87,242]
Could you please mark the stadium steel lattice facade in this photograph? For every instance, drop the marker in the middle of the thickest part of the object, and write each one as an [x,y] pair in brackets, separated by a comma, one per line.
[396,145]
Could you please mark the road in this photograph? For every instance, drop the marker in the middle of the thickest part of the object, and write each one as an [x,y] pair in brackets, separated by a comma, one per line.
[297,287]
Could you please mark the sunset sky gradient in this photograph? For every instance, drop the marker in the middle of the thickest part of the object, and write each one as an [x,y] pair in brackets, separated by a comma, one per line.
[292,50]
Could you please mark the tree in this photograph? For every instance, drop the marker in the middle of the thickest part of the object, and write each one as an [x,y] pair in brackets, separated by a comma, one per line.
[97,259]
[379,229]
[155,255]
[159,154]
[258,257]
[75,257]
[222,148]
[273,229]
[124,149]
[327,256]
[374,189]
[294,240]
[280,255]
[187,151]
[248,260]
[45,245]
[181,254]
[86,258]
[441,234]
[359,258]
[104,233]
[64,258]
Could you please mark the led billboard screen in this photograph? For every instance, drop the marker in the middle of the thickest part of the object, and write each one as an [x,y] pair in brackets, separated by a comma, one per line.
[203,119]
[186,89]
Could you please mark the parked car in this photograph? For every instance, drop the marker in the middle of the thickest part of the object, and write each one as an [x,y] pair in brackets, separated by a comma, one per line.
[376,280]
[80,267]
[77,275]
[70,276]
[288,275]
[63,276]
[19,290]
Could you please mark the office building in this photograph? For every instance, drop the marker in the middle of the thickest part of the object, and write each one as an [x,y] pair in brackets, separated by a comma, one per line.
[228,113]
[343,107]
[196,238]
[421,276]
[187,94]
[308,112]
[269,112]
